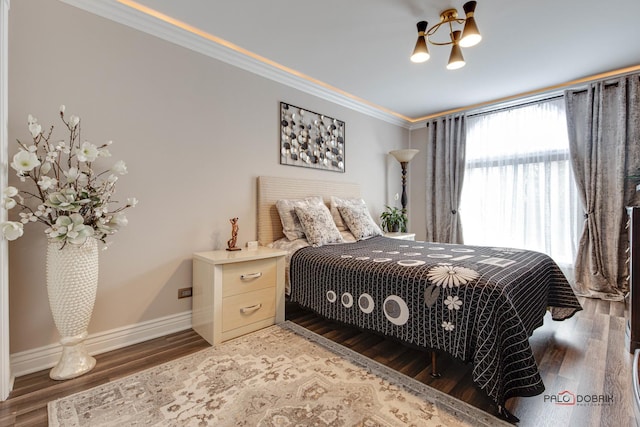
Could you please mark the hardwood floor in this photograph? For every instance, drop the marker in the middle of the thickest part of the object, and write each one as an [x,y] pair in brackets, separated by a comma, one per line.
[585,355]
[27,403]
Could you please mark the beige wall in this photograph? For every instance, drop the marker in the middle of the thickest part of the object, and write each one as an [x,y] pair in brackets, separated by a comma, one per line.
[194,132]
[417,184]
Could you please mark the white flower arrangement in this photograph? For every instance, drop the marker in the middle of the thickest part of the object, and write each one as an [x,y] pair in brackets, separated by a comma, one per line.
[66,193]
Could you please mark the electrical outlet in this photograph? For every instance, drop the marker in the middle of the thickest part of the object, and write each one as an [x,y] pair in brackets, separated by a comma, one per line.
[185,292]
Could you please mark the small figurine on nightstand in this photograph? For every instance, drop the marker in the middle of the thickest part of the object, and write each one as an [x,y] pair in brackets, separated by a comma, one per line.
[231,243]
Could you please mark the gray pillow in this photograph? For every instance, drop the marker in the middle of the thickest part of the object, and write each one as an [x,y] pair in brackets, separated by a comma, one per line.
[359,221]
[291,226]
[318,225]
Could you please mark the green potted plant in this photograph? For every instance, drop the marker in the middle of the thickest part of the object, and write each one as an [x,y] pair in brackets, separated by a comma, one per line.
[393,219]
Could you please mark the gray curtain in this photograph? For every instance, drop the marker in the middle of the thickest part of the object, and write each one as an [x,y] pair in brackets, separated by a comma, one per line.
[446,137]
[603,123]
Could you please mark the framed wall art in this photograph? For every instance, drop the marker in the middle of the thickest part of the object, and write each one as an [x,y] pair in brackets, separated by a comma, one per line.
[311,140]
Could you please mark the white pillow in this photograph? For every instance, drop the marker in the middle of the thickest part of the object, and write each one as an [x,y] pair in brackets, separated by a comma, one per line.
[291,226]
[335,213]
[359,221]
[318,225]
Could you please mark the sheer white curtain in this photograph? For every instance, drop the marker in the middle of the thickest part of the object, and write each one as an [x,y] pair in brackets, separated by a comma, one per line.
[518,189]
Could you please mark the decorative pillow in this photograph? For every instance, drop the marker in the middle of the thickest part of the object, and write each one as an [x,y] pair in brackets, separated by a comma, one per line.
[359,221]
[291,226]
[348,237]
[337,201]
[318,225]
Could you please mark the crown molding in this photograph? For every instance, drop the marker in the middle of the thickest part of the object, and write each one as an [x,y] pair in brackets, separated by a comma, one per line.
[134,18]
[529,96]
[417,125]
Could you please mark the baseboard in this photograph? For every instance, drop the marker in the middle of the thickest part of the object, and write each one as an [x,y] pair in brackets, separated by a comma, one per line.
[26,362]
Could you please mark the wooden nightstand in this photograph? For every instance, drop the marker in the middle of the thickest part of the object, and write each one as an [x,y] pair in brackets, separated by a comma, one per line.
[401,236]
[235,293]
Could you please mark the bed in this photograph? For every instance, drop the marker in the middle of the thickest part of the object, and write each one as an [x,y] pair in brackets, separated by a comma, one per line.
[478,304]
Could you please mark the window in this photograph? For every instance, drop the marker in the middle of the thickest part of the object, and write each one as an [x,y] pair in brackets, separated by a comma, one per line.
[518,188]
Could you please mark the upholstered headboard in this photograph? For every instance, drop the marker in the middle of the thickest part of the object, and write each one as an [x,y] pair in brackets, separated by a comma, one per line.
[271,189]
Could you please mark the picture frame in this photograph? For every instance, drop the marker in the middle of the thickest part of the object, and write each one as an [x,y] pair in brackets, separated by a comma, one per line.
[311,140]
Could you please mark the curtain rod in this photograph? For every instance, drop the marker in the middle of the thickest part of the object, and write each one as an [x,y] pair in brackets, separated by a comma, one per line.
[550,91]
[549,97]
[515,104]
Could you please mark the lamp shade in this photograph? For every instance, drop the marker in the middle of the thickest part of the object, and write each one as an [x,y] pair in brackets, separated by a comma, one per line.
[456,60]
[421,52]
[470,35]
[404,155]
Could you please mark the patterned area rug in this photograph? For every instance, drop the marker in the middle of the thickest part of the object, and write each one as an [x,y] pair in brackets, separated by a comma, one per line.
[283,375]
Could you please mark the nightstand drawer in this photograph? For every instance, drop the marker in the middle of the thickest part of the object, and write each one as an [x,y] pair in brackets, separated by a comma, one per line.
[244,309]
[248,276]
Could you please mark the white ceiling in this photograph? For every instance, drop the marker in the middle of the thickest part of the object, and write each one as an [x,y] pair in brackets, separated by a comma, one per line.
[362,47]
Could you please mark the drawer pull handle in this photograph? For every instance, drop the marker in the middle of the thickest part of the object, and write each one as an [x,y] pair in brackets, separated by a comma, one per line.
[246,310]
[250,276]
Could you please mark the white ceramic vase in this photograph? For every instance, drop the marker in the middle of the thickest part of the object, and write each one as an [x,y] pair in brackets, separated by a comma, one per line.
[72,281]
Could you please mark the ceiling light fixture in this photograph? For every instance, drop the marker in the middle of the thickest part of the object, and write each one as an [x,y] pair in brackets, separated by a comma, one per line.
[469,36]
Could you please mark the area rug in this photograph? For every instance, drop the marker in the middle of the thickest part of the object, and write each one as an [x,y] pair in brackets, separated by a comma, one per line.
[283,375]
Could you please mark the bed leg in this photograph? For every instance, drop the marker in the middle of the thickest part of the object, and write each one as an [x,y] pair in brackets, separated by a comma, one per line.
[434,367]
[506,415]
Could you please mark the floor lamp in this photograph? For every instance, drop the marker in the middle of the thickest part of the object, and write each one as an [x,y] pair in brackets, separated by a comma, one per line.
[404,157]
